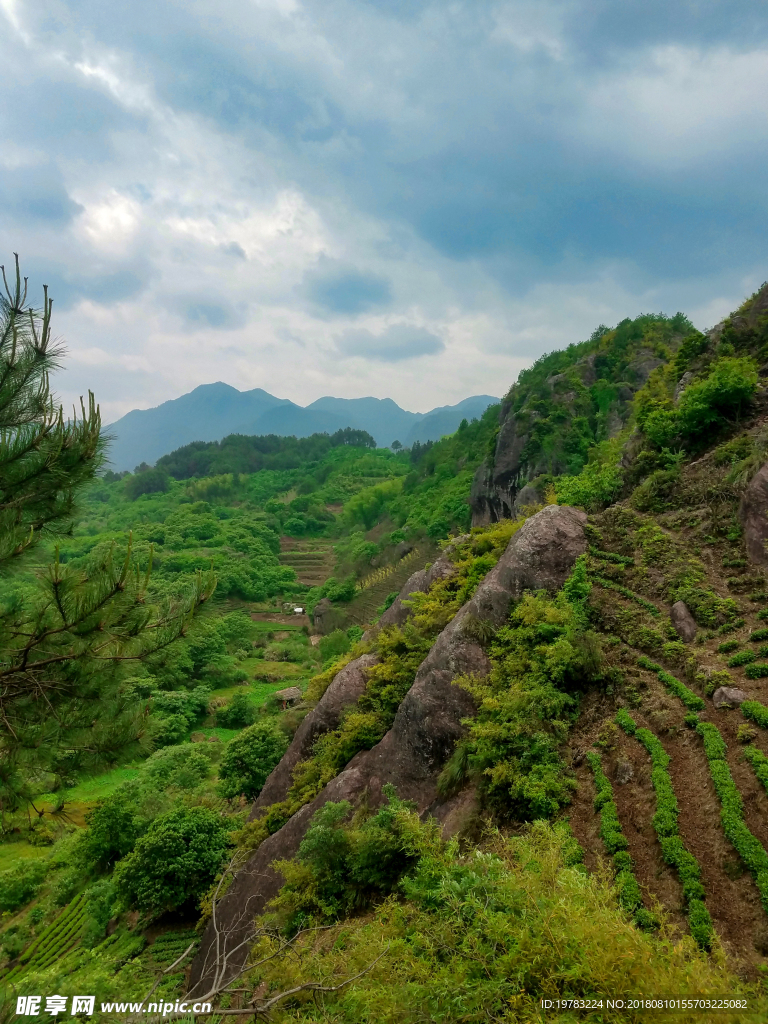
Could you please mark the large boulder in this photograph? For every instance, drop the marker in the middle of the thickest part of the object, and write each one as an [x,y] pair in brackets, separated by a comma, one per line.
[424,733]
[752,514]
[728,697]
[683,621]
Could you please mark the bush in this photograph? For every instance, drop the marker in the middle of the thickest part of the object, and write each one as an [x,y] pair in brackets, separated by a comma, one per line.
[178,767]
[756,712]
[112,831]
[334,645]
[21,883]
[742,658]
[757,670]
[691,700]
[249,759]
[174,862]
[238,713]
[342,867]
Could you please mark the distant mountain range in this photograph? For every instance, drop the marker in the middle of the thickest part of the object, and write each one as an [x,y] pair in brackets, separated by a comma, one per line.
[213,411]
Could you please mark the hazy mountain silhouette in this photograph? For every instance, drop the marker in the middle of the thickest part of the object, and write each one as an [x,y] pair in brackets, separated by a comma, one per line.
[212,411]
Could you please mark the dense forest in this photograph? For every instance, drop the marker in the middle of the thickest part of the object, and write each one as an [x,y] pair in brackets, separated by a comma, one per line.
[488,714]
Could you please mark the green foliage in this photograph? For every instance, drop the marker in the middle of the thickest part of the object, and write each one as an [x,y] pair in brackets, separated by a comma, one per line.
[628,891]
[238,453]
[487,933]
[728,646]
[747,846]
[691,700]
[21,883]
[758,634]
[755,712]
[249,759]
[540,660]
[334,645]
[240,711]
[665,823]
[111,833]
[344,867]
[174,862]
[625,592]
[742,658]
[759,763]
[149,481]
[757,670]
[600,481]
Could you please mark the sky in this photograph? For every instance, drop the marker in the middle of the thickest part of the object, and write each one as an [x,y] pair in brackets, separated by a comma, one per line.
[397,198]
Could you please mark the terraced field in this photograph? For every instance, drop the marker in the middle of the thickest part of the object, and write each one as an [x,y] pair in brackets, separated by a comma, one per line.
[375,588]
[672,789]
[312,558]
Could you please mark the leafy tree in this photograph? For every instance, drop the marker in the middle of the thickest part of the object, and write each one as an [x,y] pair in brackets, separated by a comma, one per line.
[174,862]
[64,641]
[249,760]
[239,712]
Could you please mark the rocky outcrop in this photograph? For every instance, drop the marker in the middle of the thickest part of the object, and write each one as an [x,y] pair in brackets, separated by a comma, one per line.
[327,617]
[753,517]
[426,726]
[683,621]
[419,582]
[347,686]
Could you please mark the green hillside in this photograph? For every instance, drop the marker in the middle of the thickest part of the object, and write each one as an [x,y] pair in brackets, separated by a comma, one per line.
[613,835]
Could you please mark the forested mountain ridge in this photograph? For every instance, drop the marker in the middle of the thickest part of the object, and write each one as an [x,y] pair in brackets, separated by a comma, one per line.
[213,411]
[541,773]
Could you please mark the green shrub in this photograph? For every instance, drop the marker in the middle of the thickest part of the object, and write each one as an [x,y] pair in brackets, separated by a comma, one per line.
[177,767]
[757,670]
[756,712]
[742,658]
[174,862]
[21,883]
[334,645]
[240,711]
[758,634]
[680,690]
[112,831]
[249,760]
[728,646]
[98,901]
[759,763]
[628,891]
[629,594]
[342,867]
[747,846]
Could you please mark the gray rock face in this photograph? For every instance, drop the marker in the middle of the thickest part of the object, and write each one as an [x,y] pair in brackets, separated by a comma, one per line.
[729,697]
[624,772]
[426,727]
[752,514]
[345,689]
[526,496]
[326,617]
[683,621]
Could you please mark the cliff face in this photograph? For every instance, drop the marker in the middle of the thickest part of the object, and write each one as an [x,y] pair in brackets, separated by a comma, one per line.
[564,404]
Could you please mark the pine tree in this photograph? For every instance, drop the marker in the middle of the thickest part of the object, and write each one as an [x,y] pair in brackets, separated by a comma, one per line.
[66,642]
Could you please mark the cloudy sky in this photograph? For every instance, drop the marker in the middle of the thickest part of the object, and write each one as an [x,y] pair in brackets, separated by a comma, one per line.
[395,198]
